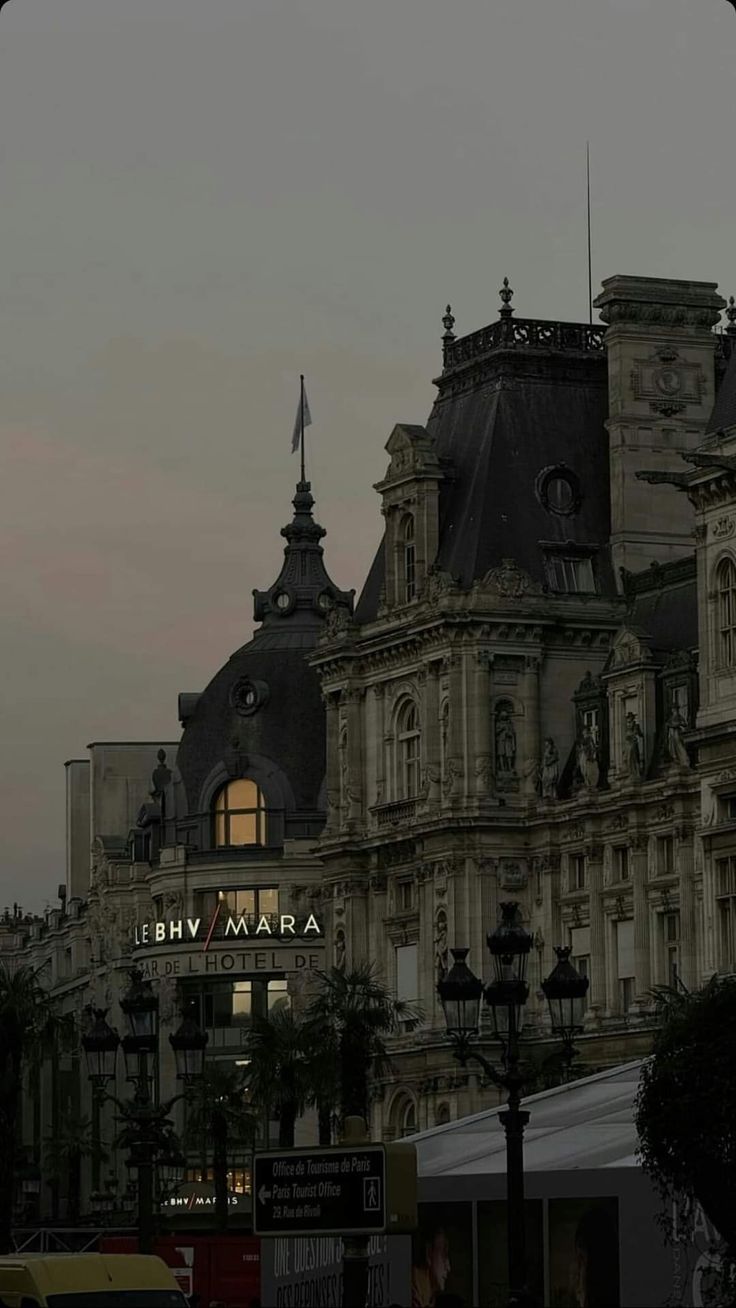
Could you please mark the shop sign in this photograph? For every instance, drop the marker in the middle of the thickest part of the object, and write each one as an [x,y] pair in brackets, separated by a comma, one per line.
[221,962]
[226,928]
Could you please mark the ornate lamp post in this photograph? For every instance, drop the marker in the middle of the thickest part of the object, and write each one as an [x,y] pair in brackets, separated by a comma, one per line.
[460,993]
[147,1131]
[566,993]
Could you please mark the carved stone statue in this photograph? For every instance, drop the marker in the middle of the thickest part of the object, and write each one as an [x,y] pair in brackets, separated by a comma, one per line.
[440,945]
[340,951]
[550,769]
[633,748]
[505,743]
[676,725]
[587,758]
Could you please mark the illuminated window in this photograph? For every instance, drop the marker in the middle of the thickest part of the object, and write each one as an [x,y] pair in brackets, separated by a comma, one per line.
[248,903]
[726,585]
[410,562]
[408,735]
[240,817]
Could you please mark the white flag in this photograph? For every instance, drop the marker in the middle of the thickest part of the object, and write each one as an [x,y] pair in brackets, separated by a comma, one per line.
[297,434]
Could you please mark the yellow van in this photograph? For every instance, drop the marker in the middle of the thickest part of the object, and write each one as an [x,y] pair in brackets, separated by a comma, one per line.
[87,1281]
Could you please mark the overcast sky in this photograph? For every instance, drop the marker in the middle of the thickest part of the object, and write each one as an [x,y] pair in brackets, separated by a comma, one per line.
[201,198]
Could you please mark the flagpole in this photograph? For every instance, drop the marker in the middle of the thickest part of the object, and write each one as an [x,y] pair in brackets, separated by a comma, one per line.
[590,259]
[301,412]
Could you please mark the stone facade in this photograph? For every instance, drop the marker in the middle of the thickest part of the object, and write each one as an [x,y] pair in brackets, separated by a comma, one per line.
[534,699]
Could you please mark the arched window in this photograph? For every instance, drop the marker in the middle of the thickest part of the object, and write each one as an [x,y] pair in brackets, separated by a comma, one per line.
[408,1119]
[726,579]
[442,1116]
[410,561]
[409,753]
[240,816]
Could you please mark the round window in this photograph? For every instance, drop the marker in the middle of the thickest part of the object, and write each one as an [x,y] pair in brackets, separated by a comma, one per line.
[558,490]
[282,600]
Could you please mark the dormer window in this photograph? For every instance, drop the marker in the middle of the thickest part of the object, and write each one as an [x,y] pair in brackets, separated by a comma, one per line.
[726,586]
[570,571]
[410,561]
[240,815]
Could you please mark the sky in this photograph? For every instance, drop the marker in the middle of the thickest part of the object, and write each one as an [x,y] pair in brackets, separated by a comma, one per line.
[200,199]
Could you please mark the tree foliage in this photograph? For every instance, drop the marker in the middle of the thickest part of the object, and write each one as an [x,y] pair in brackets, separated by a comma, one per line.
[351,1015]
[278,1073]
[63,1155]
[686,1105]
[220,1113]
[28,1024]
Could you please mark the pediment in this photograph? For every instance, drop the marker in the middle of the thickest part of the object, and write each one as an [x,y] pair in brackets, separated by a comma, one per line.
[630,648]
[412,449]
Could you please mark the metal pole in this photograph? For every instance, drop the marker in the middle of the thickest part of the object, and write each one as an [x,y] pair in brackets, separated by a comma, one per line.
[144,1162]
[354,1248]
[513,1120]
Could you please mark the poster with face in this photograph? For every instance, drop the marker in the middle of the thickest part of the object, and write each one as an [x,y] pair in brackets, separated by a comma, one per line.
[442,1257]
[493,1287]
[584,1253]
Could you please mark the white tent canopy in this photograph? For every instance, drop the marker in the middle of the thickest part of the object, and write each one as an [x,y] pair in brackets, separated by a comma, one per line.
[584,1125]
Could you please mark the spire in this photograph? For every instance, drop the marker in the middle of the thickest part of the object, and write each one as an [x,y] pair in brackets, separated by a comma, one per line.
[303,594]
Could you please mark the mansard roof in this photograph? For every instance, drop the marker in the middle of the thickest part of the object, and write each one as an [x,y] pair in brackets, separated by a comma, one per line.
[724,409]
[515,401]
[663,604]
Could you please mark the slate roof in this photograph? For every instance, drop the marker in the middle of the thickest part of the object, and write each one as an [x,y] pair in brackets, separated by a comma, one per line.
[663,604]
[501,417]
[724,409]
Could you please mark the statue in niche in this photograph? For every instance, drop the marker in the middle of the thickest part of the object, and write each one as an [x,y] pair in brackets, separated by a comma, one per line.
[676,725]
[505,742]
[340,951]
[587,758]
[633,748]
[550,769]
[440,944]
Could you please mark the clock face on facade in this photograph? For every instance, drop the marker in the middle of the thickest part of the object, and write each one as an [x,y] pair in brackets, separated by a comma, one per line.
[668,381]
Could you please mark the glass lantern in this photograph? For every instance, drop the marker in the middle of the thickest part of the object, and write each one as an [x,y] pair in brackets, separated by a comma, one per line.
[189,1043]
[100,1046]
[140,1006]
[460,994]
[566,992]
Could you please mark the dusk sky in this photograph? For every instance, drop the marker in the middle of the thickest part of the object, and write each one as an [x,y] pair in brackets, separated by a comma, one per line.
[202,199]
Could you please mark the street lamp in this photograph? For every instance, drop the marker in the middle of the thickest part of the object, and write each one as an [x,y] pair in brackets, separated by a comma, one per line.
[566,993]
[147,1131]
[460,993]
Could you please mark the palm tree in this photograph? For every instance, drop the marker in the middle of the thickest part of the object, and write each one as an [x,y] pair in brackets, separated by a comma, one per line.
[278,1074]
[27,1023]
[64,1153]
[220,1113]
[350,1016]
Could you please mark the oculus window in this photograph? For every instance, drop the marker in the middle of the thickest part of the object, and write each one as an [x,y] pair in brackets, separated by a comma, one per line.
[558,491]
[240,815]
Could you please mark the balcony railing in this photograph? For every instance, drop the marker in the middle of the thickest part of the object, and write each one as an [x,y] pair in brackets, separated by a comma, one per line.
[526,334]
[395,814]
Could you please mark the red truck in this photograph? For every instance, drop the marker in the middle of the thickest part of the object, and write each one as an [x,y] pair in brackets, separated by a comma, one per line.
[224,1268]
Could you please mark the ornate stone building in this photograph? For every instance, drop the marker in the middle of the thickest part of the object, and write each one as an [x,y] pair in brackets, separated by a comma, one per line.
[534,699]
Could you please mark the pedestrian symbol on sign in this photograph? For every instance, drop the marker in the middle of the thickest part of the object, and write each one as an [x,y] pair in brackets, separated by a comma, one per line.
[371,1194]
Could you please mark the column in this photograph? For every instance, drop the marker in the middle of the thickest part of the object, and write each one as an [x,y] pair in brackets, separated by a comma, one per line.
[480,714]
[597,996]
[333,761]
[685,857]
[353,700]
[452,782]
[379,703]
[642,941]
[532,751]
[432,778]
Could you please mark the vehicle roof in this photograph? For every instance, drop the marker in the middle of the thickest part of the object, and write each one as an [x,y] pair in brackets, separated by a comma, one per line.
[63,1272]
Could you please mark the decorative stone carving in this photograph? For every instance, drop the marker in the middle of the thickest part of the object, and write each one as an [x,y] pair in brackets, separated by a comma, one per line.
[509,581]
[587,759]
[723,528]
[505,742]
[440,943]
[676,751]
[633,749]
[512,874]
[339,951]
[550,770]
[438,584]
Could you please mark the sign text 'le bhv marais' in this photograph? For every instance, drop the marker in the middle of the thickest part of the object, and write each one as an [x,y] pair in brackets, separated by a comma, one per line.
[229,942]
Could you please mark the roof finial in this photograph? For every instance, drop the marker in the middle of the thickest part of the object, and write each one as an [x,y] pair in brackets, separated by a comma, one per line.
[448,338]
[731,315]
[506,294]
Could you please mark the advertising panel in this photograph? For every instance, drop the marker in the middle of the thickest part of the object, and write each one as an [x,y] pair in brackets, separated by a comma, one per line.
[493,1287]
[584,1253]
[306,1272]
[442,1255]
